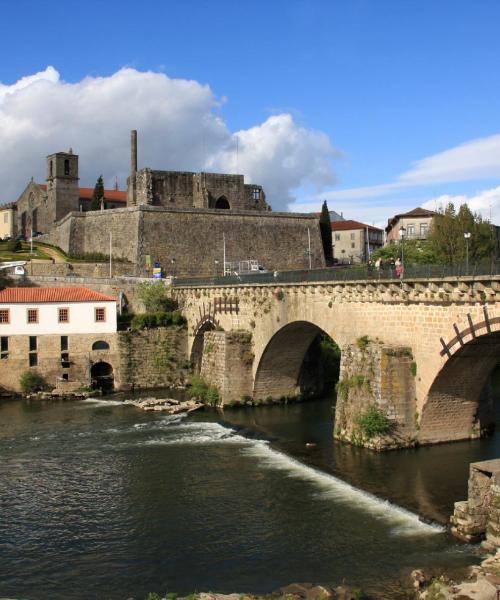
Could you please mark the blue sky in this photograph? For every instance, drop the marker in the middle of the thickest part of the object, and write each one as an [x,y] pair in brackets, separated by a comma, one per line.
[389,82]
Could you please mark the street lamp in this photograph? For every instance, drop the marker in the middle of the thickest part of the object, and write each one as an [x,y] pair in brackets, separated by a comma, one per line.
[333,254]
[216,267]
[172,261]
[402,232]
[467,238]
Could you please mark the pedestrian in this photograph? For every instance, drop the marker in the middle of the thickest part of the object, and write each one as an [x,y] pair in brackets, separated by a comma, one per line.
[398,268]
[392,265]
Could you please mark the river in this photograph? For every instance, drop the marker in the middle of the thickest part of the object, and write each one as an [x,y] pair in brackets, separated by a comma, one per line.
[99,500]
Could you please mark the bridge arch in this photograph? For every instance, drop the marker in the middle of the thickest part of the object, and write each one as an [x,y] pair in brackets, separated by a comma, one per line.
[280,369]
[207,323]
[459,404]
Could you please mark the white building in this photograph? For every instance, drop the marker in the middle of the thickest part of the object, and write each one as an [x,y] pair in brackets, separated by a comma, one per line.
[56,311]
[68,335]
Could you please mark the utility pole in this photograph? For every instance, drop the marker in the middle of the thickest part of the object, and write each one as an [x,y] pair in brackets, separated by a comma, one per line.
[467,237]
[110,254]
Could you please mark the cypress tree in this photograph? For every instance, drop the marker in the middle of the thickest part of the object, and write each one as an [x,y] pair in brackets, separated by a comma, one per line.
[326,233]
[98,194]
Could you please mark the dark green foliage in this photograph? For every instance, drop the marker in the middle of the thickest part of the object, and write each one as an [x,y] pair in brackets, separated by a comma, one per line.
[150,320]
[416,252]
[325,226]
[32,381]
[13,246]
[203,391]
[373,422]
[446,236]
[97,195]
[124,321]
[362,342]
[89,257]
[330,356]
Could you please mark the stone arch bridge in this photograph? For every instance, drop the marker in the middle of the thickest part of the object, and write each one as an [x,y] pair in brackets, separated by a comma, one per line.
[420,350]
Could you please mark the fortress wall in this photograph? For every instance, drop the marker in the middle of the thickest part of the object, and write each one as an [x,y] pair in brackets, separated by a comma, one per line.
[81,233]
[194,238]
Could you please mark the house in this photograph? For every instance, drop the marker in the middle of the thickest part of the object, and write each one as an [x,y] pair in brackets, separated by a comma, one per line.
[67,334]
[414,224]
[353,241]
[7,220]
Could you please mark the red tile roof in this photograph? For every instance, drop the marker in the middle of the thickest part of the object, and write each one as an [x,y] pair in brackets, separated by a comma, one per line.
[117,195]
[86,194]
[20,295]
[346,225]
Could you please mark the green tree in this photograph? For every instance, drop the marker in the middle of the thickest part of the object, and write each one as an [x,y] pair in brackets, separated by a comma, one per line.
[152,295]
[416,252]
[325,226]
[98,194]
[446,236]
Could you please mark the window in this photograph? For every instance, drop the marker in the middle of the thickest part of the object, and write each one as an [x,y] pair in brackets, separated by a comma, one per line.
[4,347]
[256,193]
[353,245]
[4,315]
[353,236]
[337,237]
[32,315]
[33,343]
[51,165]
[65,376]
[410,230]
[33,359]
[64,343]
[423,230]
[63,315]
[66,166]
[100,315]
[100,345]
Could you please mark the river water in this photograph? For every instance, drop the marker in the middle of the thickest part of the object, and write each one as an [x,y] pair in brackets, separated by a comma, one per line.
[99,500]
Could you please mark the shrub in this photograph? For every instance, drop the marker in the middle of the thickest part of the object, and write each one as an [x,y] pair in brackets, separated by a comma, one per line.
[152,295]
[32,381]
[13,246]
[212,396]
[413,368]
[150,320]
[362,342]
[124,321]
[373,422]
[203,391]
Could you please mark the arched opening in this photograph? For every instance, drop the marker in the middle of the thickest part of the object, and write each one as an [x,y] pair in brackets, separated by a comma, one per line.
[460,404]
[300,359]
[101,375]
[198,342]
[100,345]
[222,203]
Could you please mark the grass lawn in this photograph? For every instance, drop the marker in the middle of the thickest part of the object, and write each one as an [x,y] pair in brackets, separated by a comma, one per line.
[23,254]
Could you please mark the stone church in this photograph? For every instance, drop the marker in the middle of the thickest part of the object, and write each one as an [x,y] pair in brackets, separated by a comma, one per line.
[173,217]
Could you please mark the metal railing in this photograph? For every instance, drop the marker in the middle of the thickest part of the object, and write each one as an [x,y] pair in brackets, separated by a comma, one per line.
[351,273]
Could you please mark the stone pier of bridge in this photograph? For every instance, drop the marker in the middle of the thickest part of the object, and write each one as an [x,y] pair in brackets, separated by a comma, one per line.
[420,352]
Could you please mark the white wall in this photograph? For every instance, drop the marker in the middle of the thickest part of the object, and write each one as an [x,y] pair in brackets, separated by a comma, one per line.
[81,319]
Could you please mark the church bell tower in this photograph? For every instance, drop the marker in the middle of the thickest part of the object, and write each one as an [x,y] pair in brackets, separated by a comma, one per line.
[63,192]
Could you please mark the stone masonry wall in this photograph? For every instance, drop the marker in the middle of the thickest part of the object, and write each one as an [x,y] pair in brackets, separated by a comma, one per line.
[227,364]
[80,354]
[375,375]
[153,358]
[193,238]
[478,517]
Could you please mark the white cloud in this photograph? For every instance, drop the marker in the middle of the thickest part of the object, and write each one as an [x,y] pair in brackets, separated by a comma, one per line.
[179,125]
[474,160]
[484,202]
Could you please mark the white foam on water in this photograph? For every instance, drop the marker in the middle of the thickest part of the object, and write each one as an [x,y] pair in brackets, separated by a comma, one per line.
[191,434]
[330,487]
[99,402]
